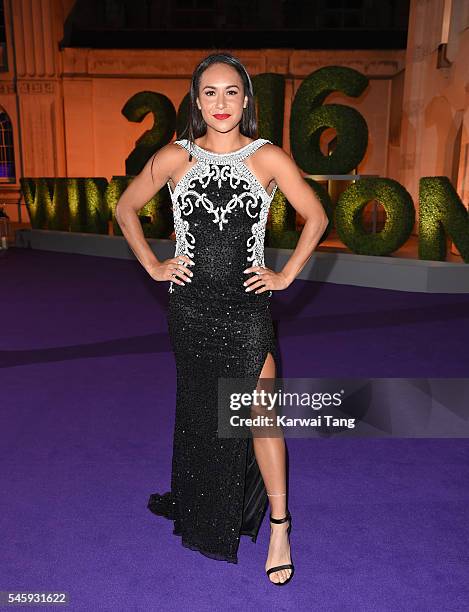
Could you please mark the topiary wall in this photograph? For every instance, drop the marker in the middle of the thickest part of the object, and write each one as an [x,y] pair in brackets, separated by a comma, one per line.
[156,216]
[441,215]
[87,204]
[164,115]
[310,117]
[400,216]
[67,204]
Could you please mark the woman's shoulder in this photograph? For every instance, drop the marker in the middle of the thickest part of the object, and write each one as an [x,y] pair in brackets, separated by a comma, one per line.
[172,152]
[271,149]
[271,155]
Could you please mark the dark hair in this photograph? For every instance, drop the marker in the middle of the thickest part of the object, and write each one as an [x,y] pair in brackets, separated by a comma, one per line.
[196,125]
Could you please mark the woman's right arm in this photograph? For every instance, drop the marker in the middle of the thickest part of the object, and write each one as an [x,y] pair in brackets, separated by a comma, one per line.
[153,177]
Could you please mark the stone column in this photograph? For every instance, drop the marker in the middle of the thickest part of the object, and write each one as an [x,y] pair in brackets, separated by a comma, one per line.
[435,95]
[37,28]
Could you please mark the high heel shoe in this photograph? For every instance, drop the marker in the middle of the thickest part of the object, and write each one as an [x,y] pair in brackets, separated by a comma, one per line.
[286,565]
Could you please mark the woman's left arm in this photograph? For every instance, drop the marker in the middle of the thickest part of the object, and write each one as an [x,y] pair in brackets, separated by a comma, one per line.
[290,181]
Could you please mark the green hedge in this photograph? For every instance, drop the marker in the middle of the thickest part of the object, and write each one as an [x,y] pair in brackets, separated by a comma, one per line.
[156,216]
[441,213]
[88,211]
[57,212]
[282,233]
[400,216]
[164,115]
[87,205]
[269,93]
[67,204]
[309,118]
[37,199]
[279,237]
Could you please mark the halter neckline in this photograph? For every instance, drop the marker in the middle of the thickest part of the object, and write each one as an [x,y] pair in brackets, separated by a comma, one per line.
[229,152]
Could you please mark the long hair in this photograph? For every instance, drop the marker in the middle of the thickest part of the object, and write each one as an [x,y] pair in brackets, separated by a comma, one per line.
[196,125]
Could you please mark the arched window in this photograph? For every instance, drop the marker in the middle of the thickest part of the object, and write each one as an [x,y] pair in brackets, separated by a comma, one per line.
[7,154]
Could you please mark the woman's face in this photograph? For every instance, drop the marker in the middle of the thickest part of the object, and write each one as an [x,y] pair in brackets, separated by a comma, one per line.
[221,97]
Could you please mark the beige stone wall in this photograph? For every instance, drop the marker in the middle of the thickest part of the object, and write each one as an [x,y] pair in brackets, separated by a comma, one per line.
[97,84]
[31,92]
[434,131]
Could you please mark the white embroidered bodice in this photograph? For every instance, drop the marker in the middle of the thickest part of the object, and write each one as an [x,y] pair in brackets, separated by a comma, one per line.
[220,212]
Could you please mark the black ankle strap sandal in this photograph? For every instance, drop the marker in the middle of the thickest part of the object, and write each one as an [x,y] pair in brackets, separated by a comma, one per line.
[289,566]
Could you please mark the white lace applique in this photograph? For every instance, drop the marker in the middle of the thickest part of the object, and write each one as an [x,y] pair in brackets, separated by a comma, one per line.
[185,241]
[221,167]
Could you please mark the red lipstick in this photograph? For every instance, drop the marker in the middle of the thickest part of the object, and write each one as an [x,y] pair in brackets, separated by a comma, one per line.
[221,116]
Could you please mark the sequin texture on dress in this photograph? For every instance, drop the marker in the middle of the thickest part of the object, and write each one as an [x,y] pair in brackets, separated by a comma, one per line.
[217,329]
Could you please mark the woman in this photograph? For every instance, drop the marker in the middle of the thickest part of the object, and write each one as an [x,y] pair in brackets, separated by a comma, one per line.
[222,180]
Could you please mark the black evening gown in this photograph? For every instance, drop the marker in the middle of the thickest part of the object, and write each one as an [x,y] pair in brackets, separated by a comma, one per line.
[217,329]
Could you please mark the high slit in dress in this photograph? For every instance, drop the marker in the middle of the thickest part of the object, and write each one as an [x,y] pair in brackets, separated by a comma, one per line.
[216,329]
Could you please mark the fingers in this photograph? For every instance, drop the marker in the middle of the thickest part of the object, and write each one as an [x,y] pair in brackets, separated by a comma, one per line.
[183,258]
[258,280]
[182,272]
[257,287]
[177,270]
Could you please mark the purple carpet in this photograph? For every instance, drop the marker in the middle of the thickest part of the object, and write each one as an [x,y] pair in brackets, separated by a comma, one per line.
[88,391]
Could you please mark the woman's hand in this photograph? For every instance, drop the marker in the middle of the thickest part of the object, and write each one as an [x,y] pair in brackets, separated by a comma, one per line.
[172,270]
[265,279]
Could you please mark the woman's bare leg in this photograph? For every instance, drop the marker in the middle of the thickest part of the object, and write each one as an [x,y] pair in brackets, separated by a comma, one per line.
[270,457]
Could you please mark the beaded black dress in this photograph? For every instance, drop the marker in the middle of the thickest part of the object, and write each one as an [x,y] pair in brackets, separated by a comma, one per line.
[217,329]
